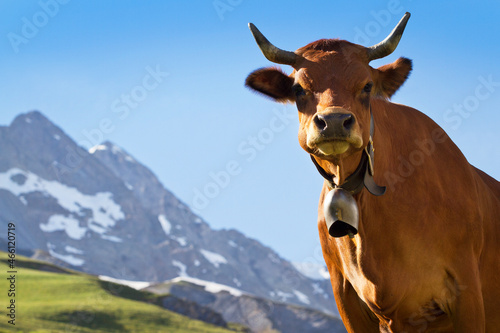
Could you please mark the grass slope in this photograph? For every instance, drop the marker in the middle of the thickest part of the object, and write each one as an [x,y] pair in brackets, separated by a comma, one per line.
[69,301]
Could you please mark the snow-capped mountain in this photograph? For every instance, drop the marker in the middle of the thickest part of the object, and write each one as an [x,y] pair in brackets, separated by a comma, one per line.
[103,212]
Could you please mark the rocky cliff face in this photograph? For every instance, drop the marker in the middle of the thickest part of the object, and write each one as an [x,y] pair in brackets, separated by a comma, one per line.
[258,314]
[105,213]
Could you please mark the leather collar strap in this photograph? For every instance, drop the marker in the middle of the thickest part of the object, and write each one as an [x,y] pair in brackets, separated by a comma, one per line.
[362,176]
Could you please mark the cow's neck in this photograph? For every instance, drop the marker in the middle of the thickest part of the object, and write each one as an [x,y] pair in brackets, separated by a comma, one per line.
[361,177]
[336,172]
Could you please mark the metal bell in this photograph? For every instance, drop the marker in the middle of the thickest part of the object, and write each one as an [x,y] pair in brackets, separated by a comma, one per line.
[341,213]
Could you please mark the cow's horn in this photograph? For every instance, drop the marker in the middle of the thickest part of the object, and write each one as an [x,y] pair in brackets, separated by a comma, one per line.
[388,45]
[271,52]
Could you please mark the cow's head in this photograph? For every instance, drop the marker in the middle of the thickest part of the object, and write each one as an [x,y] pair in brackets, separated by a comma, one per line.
[332,84]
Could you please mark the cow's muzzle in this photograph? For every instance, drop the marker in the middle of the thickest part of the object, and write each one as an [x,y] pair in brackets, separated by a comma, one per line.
[334,124]
[333,132]
[341,213]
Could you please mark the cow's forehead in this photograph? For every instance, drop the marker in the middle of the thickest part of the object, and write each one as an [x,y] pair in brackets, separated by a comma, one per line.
[320,48]
[325,65]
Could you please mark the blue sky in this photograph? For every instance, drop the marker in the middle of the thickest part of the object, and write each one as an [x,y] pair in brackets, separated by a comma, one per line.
[164,80]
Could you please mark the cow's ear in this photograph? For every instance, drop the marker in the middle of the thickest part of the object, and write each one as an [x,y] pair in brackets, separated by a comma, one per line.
[392,76]
[271,82]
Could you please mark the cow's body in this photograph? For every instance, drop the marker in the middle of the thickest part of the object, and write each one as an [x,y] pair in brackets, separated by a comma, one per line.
[427,253]
[428,250]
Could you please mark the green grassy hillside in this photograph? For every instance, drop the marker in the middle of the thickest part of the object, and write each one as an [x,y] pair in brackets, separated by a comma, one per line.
[67,301]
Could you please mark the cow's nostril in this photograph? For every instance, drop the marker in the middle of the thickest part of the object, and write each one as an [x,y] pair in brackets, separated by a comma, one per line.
[348,122]
[320,122]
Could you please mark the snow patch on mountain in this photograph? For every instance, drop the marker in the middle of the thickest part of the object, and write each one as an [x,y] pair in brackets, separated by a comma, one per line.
[165,224]
[214,258]
[68,258]
[23,200]
[182,268]
[211,287]
[112,238]
[181,240]
[283,295]
[138,285]
[302,297]
[105,211]
[67,224]
[98,147]
[71,249]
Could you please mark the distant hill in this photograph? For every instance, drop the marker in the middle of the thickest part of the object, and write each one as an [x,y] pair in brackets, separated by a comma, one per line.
[266,315]
[68,301]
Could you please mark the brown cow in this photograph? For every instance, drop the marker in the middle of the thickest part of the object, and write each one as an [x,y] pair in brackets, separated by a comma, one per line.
[425,256]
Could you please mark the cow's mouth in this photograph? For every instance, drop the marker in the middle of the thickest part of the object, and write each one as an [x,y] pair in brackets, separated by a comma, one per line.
[336,146]
[333,147]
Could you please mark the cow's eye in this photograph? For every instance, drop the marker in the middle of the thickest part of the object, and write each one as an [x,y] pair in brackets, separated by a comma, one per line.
[368,87]
[298,90]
